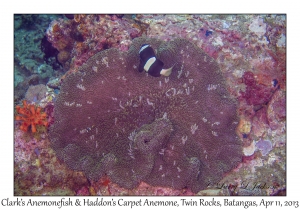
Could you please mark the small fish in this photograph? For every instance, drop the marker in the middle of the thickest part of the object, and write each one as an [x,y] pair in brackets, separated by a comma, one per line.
[150,63]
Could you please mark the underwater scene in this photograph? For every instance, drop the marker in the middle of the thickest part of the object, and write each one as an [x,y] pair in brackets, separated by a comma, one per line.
[150,104]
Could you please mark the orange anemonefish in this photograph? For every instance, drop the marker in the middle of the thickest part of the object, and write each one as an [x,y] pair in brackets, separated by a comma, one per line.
[150,63]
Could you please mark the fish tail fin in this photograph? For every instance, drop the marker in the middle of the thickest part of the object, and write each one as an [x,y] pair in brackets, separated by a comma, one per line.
[166,72]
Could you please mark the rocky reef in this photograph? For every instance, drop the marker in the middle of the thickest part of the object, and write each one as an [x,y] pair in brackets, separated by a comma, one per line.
[82,36]
[32,64]
[247,56]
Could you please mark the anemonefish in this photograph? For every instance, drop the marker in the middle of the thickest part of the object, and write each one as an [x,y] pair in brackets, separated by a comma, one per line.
[150,63]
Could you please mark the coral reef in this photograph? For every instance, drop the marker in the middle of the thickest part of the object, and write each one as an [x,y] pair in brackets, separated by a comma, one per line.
[31,116]
[35,93]
[21,88]
[256,94]
[83,36]
[265,146]
[111,119]
[45,72]
[37,171]
[249,49]
[29,59]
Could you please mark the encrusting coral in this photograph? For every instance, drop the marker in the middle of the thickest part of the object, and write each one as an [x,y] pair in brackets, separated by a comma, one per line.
[30,115]
[176,131]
